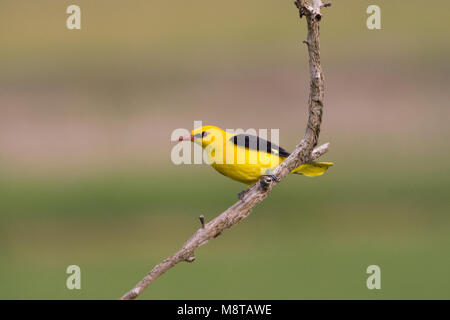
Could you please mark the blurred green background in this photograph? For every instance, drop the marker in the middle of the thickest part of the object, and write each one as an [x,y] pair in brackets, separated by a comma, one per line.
[85,170]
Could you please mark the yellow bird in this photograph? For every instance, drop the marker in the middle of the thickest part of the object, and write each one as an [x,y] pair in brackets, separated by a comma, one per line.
[245,158]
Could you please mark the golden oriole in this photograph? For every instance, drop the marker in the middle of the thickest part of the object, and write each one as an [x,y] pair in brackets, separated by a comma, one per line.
[245,158]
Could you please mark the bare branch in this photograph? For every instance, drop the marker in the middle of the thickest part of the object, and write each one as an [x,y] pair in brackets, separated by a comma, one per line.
[320,151]
[303,153]
[311,9]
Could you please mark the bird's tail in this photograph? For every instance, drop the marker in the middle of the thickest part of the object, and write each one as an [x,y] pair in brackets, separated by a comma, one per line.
[313,169]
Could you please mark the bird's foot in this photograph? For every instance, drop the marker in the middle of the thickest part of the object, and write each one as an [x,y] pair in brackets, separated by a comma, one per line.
[242,194]
[266,180]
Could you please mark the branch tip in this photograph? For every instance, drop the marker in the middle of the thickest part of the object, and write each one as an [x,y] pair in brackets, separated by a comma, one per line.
[202,221]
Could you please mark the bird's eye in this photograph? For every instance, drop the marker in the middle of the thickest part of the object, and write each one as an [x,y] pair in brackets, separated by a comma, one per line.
[204,134]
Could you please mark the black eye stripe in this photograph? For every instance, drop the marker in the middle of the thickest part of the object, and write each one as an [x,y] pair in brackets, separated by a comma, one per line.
[201,135]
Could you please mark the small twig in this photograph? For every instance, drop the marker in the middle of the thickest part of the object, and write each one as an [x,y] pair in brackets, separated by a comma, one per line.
[311,9]
[320,151]
[202,221]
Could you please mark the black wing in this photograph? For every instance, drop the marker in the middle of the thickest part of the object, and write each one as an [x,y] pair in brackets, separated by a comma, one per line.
[256,143]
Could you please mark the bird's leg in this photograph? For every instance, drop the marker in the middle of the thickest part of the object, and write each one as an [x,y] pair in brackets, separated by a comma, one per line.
[264,182]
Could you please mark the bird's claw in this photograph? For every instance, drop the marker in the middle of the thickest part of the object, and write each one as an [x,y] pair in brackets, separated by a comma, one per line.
[267,179]
[242,194]
[274,178]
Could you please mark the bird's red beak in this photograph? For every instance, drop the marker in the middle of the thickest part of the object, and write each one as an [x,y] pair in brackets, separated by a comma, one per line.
[186,138]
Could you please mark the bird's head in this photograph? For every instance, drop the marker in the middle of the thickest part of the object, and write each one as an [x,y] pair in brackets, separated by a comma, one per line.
[205,136]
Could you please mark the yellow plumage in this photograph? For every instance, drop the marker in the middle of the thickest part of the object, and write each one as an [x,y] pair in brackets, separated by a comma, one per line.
[241,162]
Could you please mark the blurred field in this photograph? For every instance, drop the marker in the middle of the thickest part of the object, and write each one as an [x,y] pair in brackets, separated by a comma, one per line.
[86,177]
